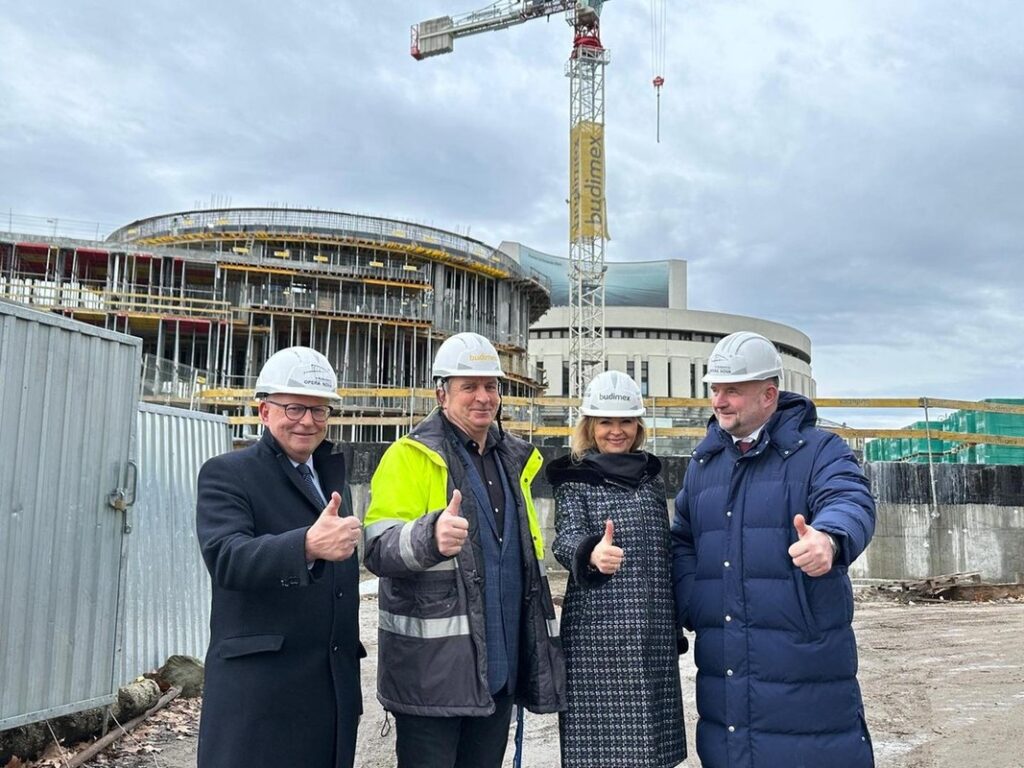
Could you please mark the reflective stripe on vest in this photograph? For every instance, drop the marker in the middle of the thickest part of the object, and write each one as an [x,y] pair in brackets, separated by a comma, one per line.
[371,532]
[427,629]
[405,549]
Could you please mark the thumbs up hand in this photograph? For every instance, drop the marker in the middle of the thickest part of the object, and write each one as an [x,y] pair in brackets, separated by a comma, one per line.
[812,551]
[332,537]
[606,557]
[331,510]
[451,529]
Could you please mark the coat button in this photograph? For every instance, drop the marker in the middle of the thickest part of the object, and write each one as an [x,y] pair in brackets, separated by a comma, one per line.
[728,513]
[728,672]
[732,728]
[728,617]
[340,593]
[726,563]
[334,648]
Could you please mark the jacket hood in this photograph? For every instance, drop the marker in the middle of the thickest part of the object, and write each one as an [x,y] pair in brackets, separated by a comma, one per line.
[795,413]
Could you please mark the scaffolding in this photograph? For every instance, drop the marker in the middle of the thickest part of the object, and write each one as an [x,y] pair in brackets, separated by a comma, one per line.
[214,293]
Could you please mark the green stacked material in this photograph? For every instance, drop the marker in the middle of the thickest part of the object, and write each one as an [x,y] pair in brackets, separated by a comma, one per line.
[922,450]
[1001,423]
[923,445]
[998,454]
[870,450]
[966,454]
[987,423]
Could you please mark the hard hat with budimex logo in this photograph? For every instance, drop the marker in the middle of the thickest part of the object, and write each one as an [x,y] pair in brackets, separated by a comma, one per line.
[614,395]
[743,356]
[467,354]
[298,371]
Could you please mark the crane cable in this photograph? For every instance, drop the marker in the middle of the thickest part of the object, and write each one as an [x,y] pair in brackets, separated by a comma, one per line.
[658,10]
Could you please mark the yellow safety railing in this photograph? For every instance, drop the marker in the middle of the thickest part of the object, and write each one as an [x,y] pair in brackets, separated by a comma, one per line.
[545,416]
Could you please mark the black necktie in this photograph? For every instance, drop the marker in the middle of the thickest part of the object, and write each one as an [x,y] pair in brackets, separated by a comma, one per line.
[307,475]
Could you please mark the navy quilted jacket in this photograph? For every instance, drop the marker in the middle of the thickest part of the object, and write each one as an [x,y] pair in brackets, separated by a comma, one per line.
[775,651]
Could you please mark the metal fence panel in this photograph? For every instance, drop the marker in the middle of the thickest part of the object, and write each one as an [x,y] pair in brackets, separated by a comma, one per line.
[167,592]
[68,399]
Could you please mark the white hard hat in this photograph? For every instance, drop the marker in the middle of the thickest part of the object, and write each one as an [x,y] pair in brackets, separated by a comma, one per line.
[743,356]
[613,394]
[298,371]
[467,354]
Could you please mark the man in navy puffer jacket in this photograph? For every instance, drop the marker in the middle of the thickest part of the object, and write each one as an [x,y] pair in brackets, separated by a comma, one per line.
[772,512]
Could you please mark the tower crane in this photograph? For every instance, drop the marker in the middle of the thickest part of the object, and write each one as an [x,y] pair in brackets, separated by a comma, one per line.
[588,220]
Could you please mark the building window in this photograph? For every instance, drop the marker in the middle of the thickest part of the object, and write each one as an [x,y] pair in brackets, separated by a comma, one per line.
[631,369]
[565,380]
[693,380]
[643,378]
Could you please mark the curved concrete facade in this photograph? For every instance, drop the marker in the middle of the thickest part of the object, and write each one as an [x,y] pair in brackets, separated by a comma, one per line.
[666,350]
[650,333]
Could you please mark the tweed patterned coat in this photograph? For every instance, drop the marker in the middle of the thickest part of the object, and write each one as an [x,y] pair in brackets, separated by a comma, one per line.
[618,632]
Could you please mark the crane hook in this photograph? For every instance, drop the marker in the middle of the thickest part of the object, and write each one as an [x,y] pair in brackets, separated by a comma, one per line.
[658,82]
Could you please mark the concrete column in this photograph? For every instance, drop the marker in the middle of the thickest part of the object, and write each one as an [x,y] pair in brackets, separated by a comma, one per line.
[657,372]
[680,376]
[617,363]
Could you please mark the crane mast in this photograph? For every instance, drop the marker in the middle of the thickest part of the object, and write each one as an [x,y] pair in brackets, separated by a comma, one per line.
[588,215]
[588,228]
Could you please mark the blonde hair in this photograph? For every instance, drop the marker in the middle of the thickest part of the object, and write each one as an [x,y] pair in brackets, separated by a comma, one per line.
[582,438]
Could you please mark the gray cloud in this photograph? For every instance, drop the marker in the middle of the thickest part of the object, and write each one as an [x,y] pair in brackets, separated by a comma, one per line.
[851,168]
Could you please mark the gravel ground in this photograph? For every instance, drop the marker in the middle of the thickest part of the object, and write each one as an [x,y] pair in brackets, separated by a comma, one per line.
[943,686]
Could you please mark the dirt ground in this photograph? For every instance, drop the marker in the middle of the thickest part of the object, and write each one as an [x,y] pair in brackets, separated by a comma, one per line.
[943,688]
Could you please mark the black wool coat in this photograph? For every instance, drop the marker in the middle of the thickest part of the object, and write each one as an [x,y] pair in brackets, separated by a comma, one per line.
[282,670]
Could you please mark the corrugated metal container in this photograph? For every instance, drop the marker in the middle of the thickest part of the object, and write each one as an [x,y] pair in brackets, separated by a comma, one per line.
[68,401]
[167,588]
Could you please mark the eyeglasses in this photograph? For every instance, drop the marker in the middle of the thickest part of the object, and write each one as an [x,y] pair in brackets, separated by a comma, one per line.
[297,412]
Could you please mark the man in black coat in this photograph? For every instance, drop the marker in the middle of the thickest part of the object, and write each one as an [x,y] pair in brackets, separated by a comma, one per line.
[277,532]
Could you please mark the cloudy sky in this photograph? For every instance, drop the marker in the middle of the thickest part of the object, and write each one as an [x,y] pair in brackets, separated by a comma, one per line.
[849,167]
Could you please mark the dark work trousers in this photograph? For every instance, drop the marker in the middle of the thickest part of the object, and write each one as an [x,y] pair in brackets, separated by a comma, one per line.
[454,742]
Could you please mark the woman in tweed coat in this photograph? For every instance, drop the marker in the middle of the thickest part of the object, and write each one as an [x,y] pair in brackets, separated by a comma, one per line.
[618,621]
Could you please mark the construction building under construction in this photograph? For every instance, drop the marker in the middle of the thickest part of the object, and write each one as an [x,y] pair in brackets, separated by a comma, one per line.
[214,293]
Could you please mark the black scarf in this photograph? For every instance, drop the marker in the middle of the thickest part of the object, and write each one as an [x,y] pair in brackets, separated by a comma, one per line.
[629,469]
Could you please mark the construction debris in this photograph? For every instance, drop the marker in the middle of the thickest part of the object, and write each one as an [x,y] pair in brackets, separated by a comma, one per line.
[938,586]
[950,587]
[49,741]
